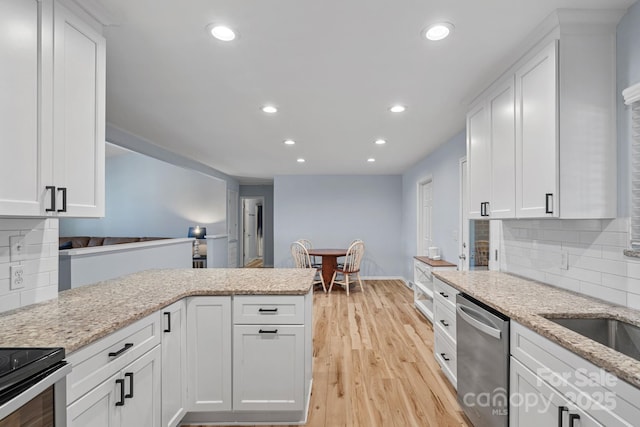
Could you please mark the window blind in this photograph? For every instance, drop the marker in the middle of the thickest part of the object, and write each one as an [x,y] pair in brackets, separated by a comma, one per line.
[632,98]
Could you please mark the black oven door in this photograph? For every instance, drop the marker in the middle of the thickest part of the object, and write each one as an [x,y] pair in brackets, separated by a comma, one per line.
[39,401]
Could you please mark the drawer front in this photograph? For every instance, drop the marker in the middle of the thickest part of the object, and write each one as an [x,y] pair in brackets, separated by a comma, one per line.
[446,318]
[98,361]
[445,353]
[268,310]
[445,293]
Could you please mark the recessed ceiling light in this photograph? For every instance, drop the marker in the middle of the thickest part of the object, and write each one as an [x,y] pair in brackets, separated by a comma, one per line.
[398,108]
[221,32]
[301,160]
[380,141]
[270,109]
[438,31]
[371,160]
[289,142]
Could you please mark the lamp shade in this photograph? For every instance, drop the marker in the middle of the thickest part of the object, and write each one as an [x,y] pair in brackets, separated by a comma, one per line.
[197,232]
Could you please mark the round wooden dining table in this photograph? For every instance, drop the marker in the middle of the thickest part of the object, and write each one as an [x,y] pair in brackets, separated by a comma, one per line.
[329,261]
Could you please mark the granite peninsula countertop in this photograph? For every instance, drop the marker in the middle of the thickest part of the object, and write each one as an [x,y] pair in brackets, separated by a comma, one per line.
[83,315]
[527,301]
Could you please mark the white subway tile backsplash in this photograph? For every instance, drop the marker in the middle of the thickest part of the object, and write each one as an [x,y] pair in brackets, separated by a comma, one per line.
[40,265]
[597,266]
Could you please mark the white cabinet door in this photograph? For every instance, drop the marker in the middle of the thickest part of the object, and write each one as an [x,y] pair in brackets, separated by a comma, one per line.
[537,135]
[174,363]
[25,140]
[142,391]
[209,354]
[479,161]
[98,407]
[268,367]
[79,116]
[502,136]
[534,403]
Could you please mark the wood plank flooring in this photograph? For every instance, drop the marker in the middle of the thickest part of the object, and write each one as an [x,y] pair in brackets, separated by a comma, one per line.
[374,364]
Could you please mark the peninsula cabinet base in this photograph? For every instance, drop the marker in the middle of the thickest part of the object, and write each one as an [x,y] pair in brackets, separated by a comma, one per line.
[249,417]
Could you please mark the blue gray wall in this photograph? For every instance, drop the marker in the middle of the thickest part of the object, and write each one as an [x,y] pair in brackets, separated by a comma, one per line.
[628,71]
[265,191]
[331,211]
[149,197]
[443,165]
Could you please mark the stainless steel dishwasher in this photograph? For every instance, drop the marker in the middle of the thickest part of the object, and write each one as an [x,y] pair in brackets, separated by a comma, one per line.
[483,362]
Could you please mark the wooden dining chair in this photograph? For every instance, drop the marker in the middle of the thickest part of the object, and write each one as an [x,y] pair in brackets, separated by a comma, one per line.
[307,244]
[301,260]
[351,266]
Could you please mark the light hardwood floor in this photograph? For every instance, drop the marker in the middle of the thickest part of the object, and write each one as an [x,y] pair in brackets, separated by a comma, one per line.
[374,364]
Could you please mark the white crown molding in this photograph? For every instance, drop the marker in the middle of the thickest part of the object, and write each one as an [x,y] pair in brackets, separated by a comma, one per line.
[631,94]
[99,12]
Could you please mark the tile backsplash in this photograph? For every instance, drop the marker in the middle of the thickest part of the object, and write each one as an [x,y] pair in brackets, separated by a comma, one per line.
[40,264]
[585,256]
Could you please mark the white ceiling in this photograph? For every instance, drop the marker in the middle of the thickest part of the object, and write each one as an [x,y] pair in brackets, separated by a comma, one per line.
[332,67]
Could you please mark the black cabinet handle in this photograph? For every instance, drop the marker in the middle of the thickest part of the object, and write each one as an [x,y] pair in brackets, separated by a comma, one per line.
[130,376]
[52,206]
[126,347]
[268,310]
[168,314]
[444,323]
[572,419]
[444,295]
[444,356]
[121,401]
[561,411]
[267,331]
[548,203]
[64,199]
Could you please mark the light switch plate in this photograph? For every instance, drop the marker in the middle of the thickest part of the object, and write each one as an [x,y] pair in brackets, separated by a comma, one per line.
[17,277]
[18,249]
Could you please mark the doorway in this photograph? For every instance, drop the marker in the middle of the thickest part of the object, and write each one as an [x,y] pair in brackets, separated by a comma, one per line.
[252,241]
[425,211]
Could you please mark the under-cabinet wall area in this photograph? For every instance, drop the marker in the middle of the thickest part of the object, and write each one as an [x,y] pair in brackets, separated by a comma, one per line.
[39,261]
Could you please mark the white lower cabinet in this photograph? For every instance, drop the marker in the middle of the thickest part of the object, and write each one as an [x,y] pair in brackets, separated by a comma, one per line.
[551,386]
[444,329]
[535,403]
[209,353]
[174,363]
[268,373]
[130,398]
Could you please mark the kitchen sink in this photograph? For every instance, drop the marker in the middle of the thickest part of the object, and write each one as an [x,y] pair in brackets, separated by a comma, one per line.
[616,334]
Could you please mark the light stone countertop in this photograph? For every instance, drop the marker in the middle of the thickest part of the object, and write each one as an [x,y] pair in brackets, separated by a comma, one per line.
[527,301]
[83,315]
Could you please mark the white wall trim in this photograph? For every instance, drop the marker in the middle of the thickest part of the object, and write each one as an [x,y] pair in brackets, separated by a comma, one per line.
[631,94]
[419,202]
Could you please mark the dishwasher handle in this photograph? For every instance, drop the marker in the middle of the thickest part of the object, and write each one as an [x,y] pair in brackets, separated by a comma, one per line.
[482,327]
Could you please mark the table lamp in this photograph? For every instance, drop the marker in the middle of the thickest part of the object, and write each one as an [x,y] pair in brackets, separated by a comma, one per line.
[197,233]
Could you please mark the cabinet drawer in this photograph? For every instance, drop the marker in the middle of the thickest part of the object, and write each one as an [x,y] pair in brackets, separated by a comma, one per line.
[262,310]
[445,293]
[446,318]
[445,353]
[96,362]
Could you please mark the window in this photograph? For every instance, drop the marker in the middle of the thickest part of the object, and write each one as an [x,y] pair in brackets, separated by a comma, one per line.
[632,98]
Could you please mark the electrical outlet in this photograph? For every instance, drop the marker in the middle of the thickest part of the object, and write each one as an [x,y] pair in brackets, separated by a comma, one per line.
[17,277]
[564,260]
[17,250]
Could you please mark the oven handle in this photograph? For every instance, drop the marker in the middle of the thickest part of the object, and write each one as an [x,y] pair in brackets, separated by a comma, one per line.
[482,327]
[24,397]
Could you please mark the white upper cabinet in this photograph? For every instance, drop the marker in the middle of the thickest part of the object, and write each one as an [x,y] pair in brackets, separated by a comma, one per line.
[491,154]
[479,161]
[52,112]
[79,116]
[537,135]
[552,133]
[25,133]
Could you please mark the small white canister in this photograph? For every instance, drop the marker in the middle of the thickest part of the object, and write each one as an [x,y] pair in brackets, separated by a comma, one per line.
[434,252]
